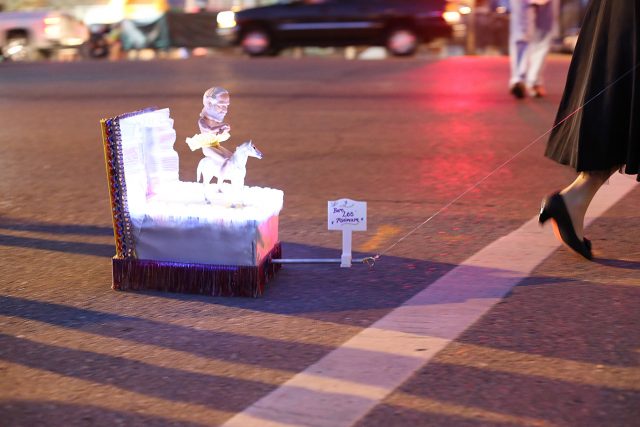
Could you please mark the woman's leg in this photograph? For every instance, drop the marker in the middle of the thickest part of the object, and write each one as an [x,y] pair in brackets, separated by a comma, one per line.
[578,195]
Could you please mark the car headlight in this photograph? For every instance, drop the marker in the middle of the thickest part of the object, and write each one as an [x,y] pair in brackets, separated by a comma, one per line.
[226,19]
[451,16]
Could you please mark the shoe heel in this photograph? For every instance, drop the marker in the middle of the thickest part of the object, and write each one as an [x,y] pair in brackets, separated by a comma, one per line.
[544,216]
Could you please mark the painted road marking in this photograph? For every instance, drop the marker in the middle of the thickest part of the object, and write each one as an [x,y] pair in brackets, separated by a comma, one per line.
[347,383]
[382,235]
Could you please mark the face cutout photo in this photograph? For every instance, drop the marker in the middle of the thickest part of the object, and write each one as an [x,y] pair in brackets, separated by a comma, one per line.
[216,103]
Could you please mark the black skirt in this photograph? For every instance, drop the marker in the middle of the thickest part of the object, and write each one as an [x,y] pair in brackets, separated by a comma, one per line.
[598,123]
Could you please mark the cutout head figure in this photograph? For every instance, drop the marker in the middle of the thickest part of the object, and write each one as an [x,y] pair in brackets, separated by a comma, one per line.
[216,103]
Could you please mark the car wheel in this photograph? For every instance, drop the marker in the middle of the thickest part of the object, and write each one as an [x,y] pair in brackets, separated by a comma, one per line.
[17,49]
[402,41]
[256,42]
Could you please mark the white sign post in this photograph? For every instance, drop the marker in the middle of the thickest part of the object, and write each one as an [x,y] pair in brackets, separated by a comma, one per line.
[347,215]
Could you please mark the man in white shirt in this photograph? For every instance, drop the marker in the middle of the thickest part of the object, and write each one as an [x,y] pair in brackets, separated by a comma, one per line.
[531,30]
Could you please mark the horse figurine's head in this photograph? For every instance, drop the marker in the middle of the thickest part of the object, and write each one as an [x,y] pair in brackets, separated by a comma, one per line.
[249,149]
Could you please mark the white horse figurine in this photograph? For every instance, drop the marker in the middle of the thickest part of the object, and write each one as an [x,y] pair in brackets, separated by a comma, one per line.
[233,168]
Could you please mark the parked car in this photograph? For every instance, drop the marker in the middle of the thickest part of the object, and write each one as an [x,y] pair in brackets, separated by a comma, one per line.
[399,25]
[28,35]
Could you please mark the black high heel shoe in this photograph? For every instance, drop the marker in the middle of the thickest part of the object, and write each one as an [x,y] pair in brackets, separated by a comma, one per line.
[553,207]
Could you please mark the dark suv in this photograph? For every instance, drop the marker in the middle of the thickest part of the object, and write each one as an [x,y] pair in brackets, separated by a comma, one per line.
[399,25]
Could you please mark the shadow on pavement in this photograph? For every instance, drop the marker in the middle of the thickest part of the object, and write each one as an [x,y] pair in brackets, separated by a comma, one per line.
[42,412]
[81,248]
[240,348]
[330,293]
[48,227]
[40,243]
[132,375]
[618,263]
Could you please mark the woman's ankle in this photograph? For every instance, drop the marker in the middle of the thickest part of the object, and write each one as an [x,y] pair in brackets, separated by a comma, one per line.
[577,202]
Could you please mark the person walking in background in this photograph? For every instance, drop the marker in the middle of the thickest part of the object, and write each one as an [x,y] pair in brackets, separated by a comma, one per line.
[531,27]
[597,127]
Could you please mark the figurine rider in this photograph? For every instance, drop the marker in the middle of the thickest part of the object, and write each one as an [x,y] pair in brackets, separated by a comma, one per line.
[213,130]
[218,161]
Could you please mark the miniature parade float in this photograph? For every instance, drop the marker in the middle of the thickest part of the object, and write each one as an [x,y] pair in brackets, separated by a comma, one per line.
[189,237]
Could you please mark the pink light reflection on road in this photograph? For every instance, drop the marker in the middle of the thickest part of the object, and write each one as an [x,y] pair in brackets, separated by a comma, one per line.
[459,97]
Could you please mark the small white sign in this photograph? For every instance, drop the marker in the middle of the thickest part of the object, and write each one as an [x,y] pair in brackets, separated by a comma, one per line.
[347,214]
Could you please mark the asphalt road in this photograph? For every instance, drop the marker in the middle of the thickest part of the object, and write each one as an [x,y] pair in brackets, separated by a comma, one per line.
[407,136]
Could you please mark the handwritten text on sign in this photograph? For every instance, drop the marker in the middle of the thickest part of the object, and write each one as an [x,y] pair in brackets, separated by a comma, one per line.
[347,214]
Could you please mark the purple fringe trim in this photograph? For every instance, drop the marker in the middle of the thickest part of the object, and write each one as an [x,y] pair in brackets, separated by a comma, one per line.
[112,141]
[130,274]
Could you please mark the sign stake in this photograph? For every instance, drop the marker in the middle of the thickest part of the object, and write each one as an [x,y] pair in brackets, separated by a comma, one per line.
[345,260]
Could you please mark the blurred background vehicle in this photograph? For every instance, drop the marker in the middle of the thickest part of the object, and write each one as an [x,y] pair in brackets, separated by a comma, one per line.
[398,25]
[123,28]
[27,35]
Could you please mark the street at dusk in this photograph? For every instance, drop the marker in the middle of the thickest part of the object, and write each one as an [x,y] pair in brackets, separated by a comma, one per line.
[475,317]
